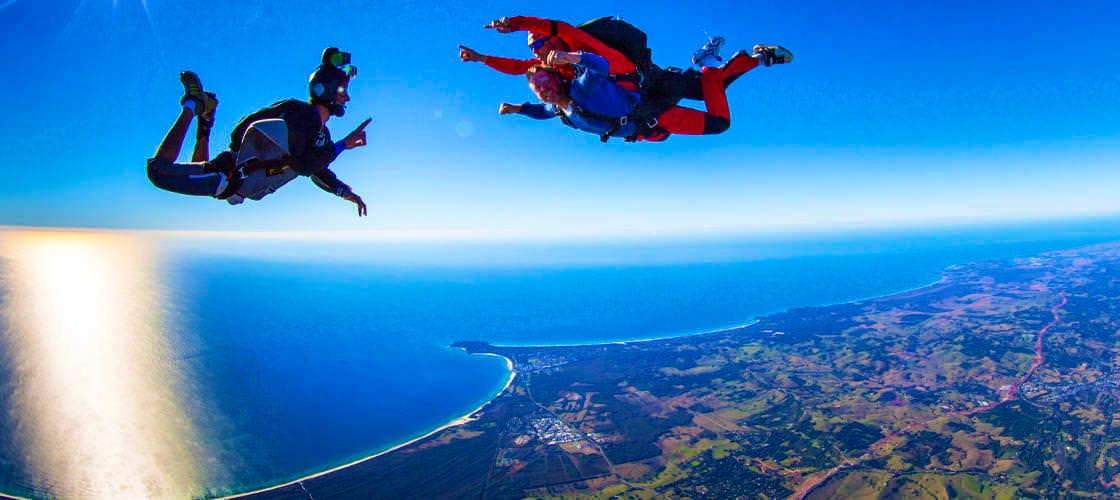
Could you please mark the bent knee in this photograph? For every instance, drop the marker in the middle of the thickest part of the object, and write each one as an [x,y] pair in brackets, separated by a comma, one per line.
[158,164]
[157,171]
[715,125]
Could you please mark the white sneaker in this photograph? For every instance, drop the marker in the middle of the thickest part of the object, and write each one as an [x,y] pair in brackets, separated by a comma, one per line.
[772,54]
[708,55]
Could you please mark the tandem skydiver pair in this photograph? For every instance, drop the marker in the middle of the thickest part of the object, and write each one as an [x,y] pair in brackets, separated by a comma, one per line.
[598,77]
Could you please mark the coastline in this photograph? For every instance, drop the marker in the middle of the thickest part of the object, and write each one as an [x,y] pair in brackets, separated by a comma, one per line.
[469,416]
[513,373]
[886,295]
[940,280]
[630,341]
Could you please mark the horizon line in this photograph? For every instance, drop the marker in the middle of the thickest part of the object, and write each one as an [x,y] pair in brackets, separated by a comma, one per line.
[491,235]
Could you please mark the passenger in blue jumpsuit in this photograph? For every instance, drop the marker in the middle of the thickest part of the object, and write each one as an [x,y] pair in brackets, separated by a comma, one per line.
[589,102]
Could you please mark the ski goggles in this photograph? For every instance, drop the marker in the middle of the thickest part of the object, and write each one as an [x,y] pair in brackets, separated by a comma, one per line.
[350,70]
[341,60]
[538,43]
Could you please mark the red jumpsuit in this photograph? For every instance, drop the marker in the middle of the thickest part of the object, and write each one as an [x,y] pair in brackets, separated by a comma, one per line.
[575,38]
[688,121]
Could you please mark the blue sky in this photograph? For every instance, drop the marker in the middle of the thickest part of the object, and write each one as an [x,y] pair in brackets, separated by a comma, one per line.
[892,113]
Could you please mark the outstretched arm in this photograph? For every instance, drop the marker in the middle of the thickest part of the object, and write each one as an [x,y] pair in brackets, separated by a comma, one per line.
[511,66]
[328,181]
[506,108]
[576,38]
[503,64]
[534,111]
[355,139]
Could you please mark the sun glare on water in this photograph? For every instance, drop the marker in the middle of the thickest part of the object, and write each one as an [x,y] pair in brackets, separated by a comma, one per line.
[96,398]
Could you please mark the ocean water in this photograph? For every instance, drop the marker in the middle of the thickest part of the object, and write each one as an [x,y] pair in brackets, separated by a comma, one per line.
[258,362]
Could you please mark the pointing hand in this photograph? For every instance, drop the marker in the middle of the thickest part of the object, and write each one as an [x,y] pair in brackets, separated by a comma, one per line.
[469,55]
[500,25]
[357,138]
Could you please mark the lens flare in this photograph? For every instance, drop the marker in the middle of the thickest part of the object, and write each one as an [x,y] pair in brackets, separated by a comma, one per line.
[96,396]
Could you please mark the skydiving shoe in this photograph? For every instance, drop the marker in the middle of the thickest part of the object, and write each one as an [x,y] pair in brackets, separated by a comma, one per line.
[201,103]
[708,55]
[206,120]
[772,54]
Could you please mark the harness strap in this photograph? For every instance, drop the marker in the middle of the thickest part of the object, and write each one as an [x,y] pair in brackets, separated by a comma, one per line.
[633,77]
[563,117]
[644,115]
[616,122]
[605,136]
[271,167]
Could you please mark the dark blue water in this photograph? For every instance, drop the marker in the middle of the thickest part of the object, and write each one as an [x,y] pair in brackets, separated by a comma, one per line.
[308,356]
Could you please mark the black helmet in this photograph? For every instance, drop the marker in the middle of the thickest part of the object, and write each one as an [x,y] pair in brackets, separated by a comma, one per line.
[330,80]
